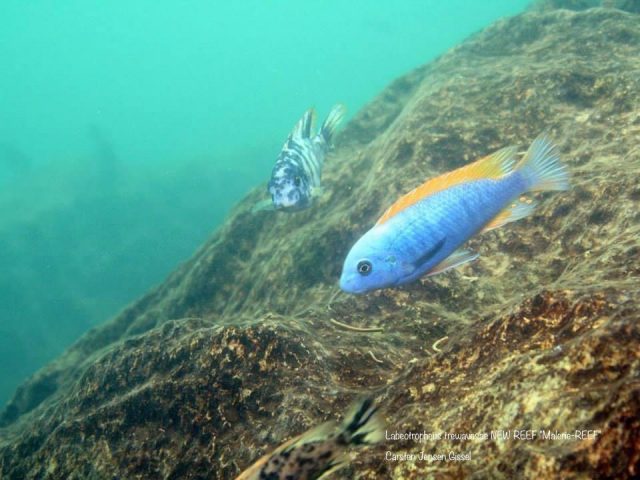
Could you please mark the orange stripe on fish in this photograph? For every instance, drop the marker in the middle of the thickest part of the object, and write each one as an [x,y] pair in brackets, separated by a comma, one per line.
[495,165]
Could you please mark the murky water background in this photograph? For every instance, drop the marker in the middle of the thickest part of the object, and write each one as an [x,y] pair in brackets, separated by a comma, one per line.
[127,130]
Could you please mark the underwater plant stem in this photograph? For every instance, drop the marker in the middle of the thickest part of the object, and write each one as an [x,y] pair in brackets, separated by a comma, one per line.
[356,329]
[437,343]
[374,357]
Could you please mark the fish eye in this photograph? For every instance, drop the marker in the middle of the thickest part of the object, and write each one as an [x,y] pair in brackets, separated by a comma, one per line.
[297,181]
[364,267]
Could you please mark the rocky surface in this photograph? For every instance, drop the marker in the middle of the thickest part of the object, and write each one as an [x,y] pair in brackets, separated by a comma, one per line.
[238,350]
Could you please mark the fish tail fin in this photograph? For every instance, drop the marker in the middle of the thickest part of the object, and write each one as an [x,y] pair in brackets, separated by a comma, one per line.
[304,127]
[541,167]
[362,425]
[330,125]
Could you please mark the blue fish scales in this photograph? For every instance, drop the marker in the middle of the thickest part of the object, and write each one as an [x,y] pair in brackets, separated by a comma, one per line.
[421,234]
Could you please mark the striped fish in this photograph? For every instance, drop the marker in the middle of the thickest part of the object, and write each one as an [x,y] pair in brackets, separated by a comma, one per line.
[421,234]
[321,450]
[295,179]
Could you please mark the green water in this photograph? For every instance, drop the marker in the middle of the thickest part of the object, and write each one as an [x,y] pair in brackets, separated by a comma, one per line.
[129,128]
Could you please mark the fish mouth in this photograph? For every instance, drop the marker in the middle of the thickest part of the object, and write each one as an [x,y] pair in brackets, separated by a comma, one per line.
[287,202]
[290,207]
[347,287]
[281,204]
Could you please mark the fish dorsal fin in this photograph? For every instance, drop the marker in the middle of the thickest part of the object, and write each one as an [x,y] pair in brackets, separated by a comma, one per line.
[253,472]
[518,209]
[305,125]
[454,260]
[495,165]
[315,434]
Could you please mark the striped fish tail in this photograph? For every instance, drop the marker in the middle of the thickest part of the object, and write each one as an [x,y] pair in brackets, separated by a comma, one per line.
[541,167]
[330,125]
[362,425]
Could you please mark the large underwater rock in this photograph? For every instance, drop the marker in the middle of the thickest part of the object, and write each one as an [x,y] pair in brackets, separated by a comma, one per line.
[236,351]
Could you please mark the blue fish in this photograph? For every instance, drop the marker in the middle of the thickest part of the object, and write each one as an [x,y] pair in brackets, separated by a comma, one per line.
[295,179]
[422,232]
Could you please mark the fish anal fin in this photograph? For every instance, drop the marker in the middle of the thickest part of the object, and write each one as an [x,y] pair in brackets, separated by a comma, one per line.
[457,258]
[317,191]
[496,165]
[520,208]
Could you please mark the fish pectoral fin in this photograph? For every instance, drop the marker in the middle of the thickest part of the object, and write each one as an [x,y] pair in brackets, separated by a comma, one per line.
[429,254]
[454,260]
[518,209]
[263,205]
[317,192]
